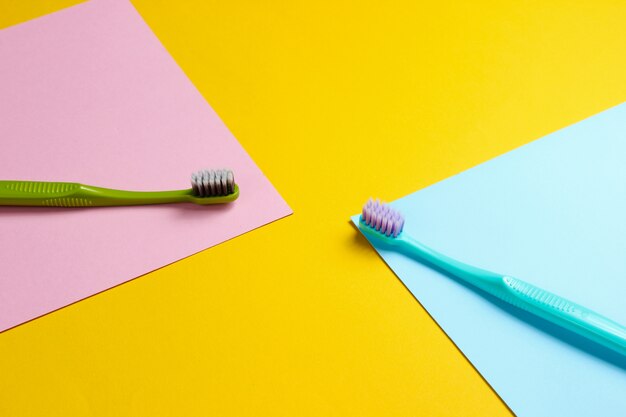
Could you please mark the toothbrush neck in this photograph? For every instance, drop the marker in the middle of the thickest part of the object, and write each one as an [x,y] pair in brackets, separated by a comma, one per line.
[468,273]
[123,197]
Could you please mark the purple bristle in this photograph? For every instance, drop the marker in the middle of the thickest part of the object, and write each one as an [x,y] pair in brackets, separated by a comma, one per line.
[382,218]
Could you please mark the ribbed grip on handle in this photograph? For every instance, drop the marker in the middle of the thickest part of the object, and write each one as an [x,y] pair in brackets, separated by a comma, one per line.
[37,187]
[539,296]
[39,193]
[565,313]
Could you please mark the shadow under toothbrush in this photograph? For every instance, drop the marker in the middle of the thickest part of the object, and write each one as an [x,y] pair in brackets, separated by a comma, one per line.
[579,342]
[184,208]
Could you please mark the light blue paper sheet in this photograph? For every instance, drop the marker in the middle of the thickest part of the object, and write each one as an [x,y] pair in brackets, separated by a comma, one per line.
[553,213]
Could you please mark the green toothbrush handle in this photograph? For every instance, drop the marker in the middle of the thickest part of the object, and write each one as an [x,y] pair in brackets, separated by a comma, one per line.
[69,194]
[537,301]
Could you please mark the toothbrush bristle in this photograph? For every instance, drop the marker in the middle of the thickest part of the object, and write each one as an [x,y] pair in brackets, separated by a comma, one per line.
[382,218]
[213,182]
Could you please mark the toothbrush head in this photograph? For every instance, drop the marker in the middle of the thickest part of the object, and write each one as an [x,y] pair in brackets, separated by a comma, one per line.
[380,220]
[210,185]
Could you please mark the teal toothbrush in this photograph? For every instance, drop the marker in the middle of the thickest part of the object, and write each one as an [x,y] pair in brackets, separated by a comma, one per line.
[207,187]
[384,224]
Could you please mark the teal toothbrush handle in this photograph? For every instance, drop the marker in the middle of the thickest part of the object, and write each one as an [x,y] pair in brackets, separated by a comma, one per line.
[537,301]
[69,194]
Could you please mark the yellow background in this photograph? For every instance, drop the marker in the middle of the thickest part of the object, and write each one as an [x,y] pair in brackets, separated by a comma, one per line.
[336,101]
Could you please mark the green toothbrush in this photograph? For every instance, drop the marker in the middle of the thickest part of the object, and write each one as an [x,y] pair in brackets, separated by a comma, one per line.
[384,224]
[207,187]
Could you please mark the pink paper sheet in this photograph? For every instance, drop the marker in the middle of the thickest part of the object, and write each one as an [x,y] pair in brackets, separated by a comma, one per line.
[88,94]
